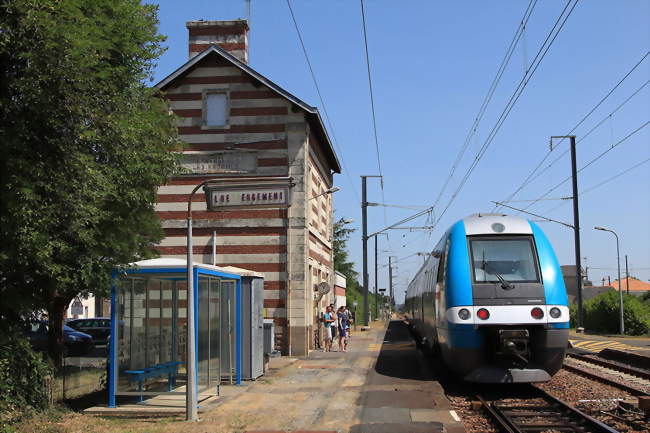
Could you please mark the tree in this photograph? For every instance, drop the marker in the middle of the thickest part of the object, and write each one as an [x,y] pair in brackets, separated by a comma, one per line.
[353,291]
[85,143]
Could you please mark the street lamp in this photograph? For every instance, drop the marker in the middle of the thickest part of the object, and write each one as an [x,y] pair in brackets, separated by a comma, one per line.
[328,191]
[618,264]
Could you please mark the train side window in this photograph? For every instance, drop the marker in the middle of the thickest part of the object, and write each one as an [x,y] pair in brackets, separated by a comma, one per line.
[441,265]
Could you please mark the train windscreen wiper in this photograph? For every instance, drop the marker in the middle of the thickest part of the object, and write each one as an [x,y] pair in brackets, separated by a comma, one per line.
[504,284]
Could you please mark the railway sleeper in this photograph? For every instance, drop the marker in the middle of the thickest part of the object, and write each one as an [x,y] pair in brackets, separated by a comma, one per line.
[555,419]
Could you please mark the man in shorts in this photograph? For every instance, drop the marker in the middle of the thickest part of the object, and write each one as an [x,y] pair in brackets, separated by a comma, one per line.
[329,319]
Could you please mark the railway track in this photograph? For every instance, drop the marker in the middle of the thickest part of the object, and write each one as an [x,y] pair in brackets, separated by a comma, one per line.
[630,379]
[540,412]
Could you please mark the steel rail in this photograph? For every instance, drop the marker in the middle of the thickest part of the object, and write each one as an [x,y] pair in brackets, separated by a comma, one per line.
[605,380]
[613,365]
[559,416]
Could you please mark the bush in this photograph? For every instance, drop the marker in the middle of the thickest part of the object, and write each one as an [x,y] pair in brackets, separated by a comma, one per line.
[602,314]
[573,314]
[24,378]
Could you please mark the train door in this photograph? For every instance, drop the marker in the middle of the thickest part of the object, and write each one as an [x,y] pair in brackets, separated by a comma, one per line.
[441,308]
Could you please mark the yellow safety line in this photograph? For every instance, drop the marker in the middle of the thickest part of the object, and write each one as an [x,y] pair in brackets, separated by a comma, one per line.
[598,345]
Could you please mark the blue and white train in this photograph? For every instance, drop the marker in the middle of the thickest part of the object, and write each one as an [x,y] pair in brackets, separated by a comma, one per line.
[491,300]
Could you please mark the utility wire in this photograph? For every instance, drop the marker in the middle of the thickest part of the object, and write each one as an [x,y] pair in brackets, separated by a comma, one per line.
[598,125]
[600,155]
[488,97]
[598,185]
[372,97]
[535,215]
[541,53]
[530,178]
[506,111]
[372,109]
[322,101]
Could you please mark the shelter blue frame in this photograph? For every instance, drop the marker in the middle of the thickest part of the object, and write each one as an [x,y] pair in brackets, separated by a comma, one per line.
[198,270]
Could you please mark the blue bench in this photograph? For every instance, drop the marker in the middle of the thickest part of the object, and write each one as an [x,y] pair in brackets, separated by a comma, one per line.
[166,368]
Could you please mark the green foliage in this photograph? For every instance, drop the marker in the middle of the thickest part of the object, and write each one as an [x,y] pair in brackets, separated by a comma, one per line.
[353,291]
[23,378]
[573,314]
[646,297]
[85,144]
[602,314]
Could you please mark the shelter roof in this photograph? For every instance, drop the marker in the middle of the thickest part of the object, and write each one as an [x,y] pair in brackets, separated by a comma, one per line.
[165,262]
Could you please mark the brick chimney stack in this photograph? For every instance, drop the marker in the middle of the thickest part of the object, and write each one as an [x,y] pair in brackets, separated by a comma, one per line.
[232,36]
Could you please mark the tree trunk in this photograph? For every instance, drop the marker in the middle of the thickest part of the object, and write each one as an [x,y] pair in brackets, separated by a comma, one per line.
[56,343]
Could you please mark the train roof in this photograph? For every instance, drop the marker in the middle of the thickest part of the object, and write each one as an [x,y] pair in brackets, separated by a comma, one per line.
[492,223]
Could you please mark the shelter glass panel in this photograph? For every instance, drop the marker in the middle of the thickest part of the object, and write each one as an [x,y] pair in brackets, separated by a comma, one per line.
[150,345]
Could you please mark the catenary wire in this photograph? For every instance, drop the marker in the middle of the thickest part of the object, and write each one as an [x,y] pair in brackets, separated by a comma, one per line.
[322,101]
[598,125]
[600,155]
[506,111]
[488,97]
[541,53]
[530,178]
[598,185]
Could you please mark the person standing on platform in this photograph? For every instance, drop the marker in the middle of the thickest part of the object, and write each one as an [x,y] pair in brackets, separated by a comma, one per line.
[334,327]
[328,320]
[342,325]
[348,314]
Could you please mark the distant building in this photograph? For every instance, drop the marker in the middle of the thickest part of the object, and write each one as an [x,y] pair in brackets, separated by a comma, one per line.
[571,282]
[636,286]
[340,283]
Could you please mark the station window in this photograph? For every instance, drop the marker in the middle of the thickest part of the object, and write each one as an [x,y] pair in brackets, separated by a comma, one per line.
[215,109]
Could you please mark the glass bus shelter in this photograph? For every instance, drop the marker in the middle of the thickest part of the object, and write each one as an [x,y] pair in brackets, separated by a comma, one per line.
[148,350]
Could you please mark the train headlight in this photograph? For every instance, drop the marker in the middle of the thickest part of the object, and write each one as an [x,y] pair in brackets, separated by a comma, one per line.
[464,314]
[537,313]
[483,314]
[555,312]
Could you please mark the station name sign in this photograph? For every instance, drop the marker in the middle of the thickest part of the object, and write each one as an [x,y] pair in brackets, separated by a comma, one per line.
[220,163]
[248,195]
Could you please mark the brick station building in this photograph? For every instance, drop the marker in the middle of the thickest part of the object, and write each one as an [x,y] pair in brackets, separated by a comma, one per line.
[238,123]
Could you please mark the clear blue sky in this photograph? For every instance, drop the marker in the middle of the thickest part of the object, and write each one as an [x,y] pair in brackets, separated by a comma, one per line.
[432,63]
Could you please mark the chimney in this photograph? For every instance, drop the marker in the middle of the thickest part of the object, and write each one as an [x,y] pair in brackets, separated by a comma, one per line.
[232,36]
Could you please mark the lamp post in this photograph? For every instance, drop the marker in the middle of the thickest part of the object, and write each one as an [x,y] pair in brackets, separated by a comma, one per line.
[618,265]
[328,191]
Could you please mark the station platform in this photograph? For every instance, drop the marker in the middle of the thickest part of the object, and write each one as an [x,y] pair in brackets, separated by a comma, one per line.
[382,384]
[595,343]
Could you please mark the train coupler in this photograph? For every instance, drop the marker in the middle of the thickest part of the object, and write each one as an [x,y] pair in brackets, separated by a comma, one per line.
[515,342]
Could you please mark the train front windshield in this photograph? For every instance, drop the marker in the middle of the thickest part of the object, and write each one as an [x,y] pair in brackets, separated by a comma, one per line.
[511,258]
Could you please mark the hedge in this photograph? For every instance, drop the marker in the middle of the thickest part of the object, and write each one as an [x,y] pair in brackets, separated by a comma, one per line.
[602,314]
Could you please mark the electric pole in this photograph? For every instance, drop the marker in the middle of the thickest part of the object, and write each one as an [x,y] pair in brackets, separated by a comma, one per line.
[364,240]
[627,277]
[376,301]
[390,277]
[576,222]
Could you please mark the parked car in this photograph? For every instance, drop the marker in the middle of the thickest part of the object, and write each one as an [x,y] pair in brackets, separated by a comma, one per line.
[98,328]
[76,343]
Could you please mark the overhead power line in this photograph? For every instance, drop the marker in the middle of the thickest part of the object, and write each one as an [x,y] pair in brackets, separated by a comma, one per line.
[322,101]
[598,125]
[372,110]
[488,97]
[606,181]
[529,179]
[372,97]
[541,53]
[550,38]
[600,155]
